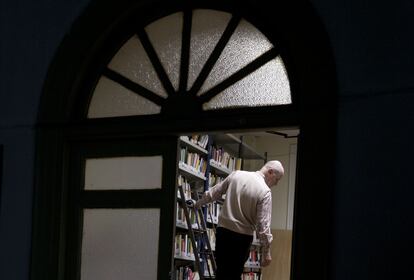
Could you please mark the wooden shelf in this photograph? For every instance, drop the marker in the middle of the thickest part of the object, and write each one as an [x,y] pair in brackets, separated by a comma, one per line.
[218,167]
[236,146]
[191,171]
[192,146]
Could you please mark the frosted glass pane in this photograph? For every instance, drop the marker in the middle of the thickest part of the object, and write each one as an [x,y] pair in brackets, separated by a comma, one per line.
[123,173]
[165,36]
[132,62]
[120,244]
[207,28]
[268,85]
[245,45]
[110,99]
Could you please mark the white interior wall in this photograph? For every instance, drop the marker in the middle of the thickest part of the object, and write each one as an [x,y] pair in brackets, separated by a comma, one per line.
[277,148]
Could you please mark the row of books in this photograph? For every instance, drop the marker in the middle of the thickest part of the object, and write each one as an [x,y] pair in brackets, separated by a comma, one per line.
[181,220]
[213,212]
[212,238]
[183,247]
[208,268]
[219,160]
[214,179]
[256,240]
[250,276]
[200,140]
[186,273]
[254,259]
[224,159]
[185,184]
[195,160]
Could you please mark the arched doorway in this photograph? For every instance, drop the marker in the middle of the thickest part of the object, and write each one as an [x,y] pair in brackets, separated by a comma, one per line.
[69,134]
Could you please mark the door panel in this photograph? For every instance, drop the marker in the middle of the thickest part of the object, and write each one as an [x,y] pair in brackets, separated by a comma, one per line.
[123,173]
[120,244]
[121,209]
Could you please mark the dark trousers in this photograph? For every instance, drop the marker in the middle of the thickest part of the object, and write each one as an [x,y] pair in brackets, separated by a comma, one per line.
[232,251]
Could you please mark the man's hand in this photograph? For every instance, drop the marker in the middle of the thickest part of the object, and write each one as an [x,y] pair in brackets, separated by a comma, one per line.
[190,203]
[266,260]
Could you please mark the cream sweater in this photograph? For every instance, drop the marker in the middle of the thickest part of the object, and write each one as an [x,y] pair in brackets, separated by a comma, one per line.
[243,210]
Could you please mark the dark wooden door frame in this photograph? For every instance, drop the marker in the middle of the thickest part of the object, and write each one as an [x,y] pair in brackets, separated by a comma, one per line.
[73,72]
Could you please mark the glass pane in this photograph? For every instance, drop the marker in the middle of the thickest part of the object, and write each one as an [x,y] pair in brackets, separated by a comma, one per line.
[120,244]
[110,99]
[268,85]
[132,62]
[123,173]
[207,28]
[245,45]
[165,36]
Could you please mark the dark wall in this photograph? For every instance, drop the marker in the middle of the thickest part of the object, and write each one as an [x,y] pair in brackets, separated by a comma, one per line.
[30,34]
[372,44]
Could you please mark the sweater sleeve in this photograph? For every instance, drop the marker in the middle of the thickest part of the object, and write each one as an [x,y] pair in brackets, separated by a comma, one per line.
[214,193]
[264,214]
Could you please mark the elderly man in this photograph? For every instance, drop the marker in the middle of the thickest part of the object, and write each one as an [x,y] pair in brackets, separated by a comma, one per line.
[247,208]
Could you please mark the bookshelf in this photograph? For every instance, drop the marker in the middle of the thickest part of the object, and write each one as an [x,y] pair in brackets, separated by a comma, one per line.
[252,268]
[204,161]
[192,167]
[237,147]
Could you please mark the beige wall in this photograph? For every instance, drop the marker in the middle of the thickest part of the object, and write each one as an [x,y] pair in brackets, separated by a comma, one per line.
[279,268]
[284,150]
[277,148]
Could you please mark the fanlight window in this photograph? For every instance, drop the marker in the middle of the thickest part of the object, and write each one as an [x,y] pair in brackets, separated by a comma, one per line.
[205,59]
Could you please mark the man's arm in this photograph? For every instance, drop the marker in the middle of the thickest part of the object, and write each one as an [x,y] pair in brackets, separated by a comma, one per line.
[264,215]
[214,193]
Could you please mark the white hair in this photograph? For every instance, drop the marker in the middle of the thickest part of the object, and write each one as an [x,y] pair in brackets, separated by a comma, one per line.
[274,165]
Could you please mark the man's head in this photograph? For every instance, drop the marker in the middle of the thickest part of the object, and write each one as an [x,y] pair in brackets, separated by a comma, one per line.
[273,170]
